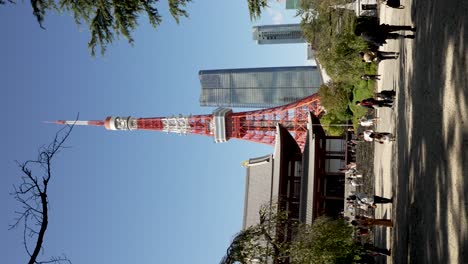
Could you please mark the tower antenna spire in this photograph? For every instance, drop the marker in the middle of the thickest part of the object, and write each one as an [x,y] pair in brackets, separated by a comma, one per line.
[223,124]
[78,122]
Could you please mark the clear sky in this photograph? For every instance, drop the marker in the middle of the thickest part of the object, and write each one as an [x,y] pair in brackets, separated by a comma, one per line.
[129,197]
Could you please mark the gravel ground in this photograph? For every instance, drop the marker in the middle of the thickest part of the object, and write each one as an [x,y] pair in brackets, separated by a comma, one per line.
[426,169]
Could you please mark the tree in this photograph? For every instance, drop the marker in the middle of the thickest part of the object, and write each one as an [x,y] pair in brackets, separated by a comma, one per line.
[255,8]
[107,18]
[325,241]
[31,193]
[334,96]
[264,241]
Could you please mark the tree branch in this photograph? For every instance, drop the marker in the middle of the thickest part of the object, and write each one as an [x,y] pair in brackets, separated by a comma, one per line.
[32,195]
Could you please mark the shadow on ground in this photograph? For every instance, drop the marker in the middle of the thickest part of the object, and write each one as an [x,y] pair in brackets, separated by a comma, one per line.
[424,176]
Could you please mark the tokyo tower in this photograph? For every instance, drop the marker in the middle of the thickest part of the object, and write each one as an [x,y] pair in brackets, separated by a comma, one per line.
[257,126]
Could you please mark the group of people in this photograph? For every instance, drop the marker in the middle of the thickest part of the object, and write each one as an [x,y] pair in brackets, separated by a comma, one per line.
[376,35]
[384,98]
[363,222]
[359,203]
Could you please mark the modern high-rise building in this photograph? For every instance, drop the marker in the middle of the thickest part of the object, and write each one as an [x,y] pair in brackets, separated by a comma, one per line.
[292,4]
[278,34]
[258,87]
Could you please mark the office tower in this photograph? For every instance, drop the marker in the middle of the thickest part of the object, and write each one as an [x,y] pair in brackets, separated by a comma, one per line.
[278,34]
[293,4]
[258,87]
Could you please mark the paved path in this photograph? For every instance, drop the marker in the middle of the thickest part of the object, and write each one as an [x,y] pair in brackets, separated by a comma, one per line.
[426,169]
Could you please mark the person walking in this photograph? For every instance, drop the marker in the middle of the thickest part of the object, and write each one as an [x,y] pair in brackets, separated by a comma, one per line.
[379,137]
[367,122]
[372,201]
[371,249]
[378,34]
[354,182]
[369,77]
[378,56]
[385,95]
[368,222]
[373,103]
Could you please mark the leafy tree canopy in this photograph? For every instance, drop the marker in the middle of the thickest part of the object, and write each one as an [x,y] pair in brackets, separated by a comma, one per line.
[255,8]
[263,241]
[107,19]
[325,241]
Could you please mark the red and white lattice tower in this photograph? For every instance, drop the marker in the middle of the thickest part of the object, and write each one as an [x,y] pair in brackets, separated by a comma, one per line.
[257,126]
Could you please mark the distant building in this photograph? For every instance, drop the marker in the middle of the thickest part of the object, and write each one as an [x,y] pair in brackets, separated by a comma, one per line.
[258,87]
[293,4]
[278,34]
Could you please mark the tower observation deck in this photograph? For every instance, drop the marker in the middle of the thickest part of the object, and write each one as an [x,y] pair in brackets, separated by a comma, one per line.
[223,124]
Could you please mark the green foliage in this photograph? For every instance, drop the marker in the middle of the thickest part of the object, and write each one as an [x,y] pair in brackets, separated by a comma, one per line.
[330,30]
[107,18]
[255,8]
[325,241]
[262,241]
[335,97]
[362,90]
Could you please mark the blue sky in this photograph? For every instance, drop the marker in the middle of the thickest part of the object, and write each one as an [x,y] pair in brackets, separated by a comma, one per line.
[129,197]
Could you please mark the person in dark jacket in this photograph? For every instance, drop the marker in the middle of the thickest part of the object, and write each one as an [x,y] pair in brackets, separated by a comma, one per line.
[372,103]
[368,77]
[378,34]
[385,94]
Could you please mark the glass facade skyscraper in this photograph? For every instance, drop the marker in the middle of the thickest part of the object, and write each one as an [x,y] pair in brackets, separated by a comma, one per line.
[258,87]
[278,34]
[293,4]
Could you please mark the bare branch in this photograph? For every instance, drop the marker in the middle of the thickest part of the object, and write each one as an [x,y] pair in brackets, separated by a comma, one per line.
[31,193]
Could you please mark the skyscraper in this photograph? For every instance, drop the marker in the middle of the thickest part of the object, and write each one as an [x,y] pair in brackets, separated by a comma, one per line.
[278,34]
[292,4]
[258,87]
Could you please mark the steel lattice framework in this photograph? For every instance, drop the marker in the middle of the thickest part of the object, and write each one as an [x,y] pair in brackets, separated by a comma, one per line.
[257,126]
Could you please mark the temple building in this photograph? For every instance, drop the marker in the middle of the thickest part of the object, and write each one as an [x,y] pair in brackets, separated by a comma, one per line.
[306,184]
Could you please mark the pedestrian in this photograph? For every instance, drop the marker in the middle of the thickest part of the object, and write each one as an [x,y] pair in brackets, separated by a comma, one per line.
[367,135]
[363,221]
[373,103]
[367,122]
[369,77]
[393,4]
[385,95]
[383,137]
[354,182]
[372,201]
[379,137]
[377,35]
[354,175]
[392,28]
[371,249]
[378,56]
